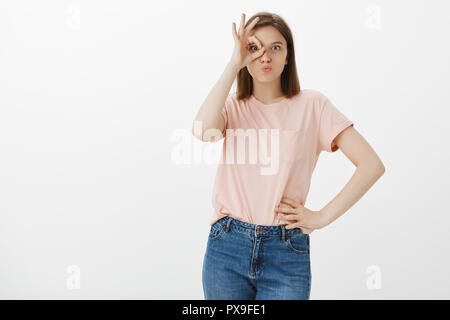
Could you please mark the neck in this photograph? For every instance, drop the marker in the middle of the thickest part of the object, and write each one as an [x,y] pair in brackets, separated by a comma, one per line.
[267,92]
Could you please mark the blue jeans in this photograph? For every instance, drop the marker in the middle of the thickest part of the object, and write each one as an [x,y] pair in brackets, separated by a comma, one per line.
[246,261]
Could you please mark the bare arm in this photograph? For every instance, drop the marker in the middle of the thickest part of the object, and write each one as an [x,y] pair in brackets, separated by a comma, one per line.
[369,169]
[209,116]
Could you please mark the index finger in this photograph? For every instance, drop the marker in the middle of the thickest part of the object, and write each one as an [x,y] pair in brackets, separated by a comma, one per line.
[291,202]
[285,210]
[252,24]
[255,40]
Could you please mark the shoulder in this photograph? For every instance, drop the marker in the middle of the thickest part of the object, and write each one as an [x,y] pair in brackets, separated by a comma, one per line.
[313,100]
[318,100]
[313,95]
[232,102]
[232,96]
[231,99]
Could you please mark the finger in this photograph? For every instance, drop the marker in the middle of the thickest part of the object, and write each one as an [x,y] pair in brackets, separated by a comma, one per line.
[289,216]
[254,40]
[290,226]
[251,40]
[250,46]
[251,25]
[304,229]
[290,201]
[287,210]
[258,42]
[287,221]
[295,225]
[258,53]
[241,27]
[233,29]
[290,219]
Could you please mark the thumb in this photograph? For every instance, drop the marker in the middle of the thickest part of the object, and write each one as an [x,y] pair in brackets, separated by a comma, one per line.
[257,54]
[262,49]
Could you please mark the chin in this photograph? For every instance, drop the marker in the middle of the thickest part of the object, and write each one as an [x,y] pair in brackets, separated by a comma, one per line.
[268,78]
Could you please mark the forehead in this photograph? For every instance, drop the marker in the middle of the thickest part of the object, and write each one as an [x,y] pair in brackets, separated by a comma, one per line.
[268,34]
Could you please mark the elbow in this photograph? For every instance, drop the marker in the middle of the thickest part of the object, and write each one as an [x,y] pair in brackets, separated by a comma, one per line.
[208,135]
[382,169]
[205,137]
[197,131]
[200,136]
[197,134]
[374,167]
[378,168]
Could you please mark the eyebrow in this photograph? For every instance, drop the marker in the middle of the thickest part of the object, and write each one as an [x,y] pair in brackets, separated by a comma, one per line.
[271,43]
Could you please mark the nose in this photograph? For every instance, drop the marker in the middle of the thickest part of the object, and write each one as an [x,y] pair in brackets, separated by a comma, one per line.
[265,56]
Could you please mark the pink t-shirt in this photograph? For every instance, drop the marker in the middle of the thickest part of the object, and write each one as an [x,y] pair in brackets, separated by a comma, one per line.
[260,167]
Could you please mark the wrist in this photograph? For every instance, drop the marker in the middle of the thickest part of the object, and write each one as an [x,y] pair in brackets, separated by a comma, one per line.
[324,218]
[233,66]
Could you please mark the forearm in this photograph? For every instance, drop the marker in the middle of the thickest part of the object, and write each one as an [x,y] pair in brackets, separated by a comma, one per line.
[362,180]
[210,111]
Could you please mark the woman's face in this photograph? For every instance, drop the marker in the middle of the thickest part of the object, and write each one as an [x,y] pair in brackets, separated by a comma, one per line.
[275,54]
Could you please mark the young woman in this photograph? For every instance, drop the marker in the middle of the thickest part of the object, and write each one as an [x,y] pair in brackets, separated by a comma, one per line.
[259,242]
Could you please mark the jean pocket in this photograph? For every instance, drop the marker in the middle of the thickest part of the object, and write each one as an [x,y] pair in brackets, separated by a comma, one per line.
[216,232]
[298,243]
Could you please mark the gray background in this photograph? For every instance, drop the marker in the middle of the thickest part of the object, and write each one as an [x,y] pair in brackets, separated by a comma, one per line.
[97,100]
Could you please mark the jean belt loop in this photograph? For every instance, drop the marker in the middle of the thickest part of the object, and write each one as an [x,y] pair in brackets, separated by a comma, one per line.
[228,224]
[283,236]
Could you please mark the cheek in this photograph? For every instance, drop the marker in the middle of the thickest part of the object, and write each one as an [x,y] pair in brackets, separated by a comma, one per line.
[280,58]
[251,68]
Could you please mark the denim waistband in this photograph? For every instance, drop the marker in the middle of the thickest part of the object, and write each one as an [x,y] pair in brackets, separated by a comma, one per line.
[255,229]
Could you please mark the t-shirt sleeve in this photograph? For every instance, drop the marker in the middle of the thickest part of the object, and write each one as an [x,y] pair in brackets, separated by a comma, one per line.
[332,122]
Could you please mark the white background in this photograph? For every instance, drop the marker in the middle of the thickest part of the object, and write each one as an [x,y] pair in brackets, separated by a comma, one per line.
[93,202]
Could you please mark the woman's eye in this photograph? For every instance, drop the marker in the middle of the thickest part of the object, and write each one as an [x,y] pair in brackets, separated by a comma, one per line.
[256,48]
